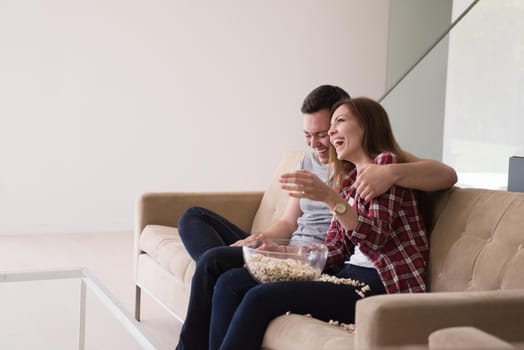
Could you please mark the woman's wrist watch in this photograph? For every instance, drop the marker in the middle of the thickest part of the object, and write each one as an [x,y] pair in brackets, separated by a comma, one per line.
[339,208]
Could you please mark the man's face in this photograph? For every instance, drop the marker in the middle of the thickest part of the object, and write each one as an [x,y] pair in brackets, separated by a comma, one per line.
[316,127]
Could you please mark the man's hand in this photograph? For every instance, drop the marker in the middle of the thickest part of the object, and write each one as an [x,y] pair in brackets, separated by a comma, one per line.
[249,238]
[373,180]
[269,245]
[304,184]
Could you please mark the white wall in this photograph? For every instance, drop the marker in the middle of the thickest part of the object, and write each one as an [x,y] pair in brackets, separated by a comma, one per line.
[103,100]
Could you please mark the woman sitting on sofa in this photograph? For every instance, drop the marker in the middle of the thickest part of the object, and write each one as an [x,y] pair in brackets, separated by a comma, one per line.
[381,242]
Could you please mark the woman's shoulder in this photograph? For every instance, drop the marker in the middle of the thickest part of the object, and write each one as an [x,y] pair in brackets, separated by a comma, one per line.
[386,158]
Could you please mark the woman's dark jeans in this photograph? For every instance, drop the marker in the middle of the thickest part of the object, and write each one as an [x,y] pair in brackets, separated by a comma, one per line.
[242,308]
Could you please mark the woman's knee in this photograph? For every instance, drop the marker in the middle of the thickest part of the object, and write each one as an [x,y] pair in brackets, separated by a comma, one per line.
[260,295]
[234,281]
[230,278]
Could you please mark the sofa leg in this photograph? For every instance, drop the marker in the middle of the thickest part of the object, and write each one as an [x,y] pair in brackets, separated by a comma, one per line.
[138,292]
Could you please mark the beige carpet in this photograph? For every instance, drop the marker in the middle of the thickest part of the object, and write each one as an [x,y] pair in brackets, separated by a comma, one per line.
[109,256]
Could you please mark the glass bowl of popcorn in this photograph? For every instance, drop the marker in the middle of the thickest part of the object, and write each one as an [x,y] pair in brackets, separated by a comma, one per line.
[275,260]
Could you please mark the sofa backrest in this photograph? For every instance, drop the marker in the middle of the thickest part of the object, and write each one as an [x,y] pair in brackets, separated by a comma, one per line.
[275,199]
[477,240]
[476,235]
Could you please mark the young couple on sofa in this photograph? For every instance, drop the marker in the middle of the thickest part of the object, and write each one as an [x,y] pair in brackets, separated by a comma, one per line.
[364,209]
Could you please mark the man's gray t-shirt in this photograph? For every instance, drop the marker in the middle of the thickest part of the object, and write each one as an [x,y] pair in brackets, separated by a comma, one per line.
[316,216]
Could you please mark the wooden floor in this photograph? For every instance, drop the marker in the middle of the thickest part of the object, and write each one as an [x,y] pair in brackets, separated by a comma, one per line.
[109,256]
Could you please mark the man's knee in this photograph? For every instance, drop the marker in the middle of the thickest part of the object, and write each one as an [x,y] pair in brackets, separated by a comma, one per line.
[189,214]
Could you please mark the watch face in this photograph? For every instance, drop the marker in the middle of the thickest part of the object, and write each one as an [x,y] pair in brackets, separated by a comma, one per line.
[340,208]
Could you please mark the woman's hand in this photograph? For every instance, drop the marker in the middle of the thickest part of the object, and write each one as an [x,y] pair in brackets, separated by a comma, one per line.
[304,184]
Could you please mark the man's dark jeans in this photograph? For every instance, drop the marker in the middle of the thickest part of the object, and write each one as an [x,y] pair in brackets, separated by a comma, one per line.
[206,236]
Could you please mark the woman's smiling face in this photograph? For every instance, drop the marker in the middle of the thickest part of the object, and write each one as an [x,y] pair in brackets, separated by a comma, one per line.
[346,134]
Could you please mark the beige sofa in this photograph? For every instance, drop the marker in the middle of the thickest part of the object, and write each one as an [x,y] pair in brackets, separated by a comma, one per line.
[475,277]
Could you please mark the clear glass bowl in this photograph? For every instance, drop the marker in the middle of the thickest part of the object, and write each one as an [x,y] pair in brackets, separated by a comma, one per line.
[303,261]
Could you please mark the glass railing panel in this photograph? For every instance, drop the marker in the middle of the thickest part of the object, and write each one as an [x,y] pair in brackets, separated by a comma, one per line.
[464,101]
[414,26]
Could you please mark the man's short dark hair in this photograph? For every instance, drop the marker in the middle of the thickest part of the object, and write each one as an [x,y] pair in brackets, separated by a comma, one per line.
[323,97]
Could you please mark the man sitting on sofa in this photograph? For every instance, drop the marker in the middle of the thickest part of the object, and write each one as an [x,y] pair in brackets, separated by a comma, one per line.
[214,242]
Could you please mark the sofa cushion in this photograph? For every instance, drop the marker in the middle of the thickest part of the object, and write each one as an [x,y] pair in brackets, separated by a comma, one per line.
[477,242]
[275,199]
[465,338]
[298,332]
[164,245]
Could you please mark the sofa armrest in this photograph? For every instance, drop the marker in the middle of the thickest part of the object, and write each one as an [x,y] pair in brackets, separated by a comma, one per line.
[398,319]
[165,208]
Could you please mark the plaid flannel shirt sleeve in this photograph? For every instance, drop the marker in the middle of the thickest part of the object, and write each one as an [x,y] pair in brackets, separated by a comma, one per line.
[337,239]
[335,242]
